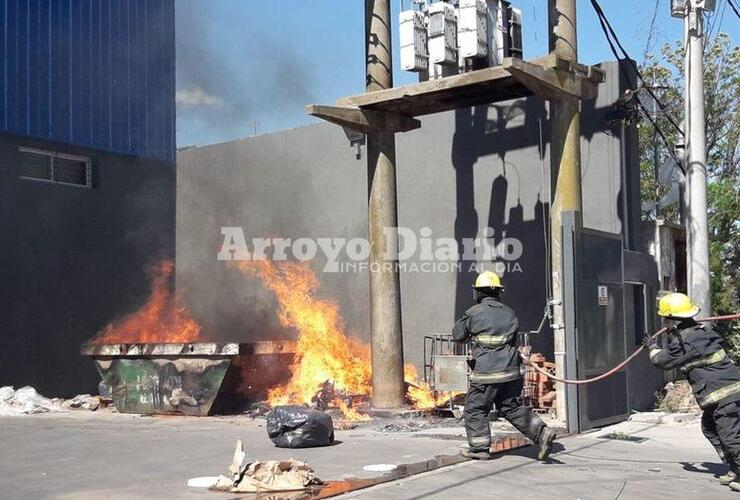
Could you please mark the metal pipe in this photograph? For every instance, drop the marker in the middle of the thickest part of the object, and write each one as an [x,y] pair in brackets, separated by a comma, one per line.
[565,174]
[385,294]
[627,239]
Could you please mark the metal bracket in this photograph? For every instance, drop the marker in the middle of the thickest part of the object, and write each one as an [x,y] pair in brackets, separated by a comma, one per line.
[363,120]
[556,78]
[356,140]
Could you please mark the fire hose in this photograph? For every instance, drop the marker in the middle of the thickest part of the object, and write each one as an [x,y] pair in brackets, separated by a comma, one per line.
[624,363]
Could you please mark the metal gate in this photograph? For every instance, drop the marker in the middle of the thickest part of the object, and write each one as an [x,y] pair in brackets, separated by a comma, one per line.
[593,279]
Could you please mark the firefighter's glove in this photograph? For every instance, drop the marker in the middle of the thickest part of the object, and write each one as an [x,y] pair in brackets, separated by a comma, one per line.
[649,342]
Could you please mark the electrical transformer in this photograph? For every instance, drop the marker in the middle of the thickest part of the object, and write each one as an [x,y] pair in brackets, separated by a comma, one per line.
[472,29]
[442,34]
[447,37]
[496,20]
[706,5]
[514,45]
[678,8]
[413,38]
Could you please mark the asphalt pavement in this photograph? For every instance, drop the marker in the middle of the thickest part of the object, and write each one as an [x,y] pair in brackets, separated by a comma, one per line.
[84,455]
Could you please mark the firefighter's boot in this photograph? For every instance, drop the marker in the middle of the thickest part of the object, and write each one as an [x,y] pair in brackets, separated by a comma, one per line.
[476,455]
[546,439]
[728,478]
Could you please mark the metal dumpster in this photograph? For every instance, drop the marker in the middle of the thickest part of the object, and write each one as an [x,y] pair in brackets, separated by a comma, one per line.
[191,379]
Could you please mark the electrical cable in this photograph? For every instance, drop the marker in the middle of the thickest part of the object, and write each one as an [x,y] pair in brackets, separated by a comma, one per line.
[604,22]
[608,29]
[624,363]
[651,31]
[734,8]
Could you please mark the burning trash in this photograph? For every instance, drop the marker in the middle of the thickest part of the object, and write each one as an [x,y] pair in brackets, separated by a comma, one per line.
[162,319]
[154,362]
[331,369]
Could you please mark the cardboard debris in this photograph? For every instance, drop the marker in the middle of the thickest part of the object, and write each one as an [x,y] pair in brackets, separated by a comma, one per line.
[238,462]
[84,401]
[254,477]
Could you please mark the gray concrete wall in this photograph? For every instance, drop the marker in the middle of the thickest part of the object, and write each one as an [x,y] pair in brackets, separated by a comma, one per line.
[73,259]
[462,171]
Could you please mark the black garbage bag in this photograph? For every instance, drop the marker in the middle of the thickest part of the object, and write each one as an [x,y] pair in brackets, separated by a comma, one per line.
[299,427]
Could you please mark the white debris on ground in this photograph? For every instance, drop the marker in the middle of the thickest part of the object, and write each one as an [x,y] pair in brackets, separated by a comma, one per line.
[203,482]
[662,417]
[27,401]
[380,467]
[254,477]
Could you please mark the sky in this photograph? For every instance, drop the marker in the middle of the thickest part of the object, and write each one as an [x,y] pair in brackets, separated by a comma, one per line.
[247,67]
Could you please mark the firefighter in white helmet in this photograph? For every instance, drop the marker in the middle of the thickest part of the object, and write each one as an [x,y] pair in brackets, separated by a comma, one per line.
[491,328]
[697,351]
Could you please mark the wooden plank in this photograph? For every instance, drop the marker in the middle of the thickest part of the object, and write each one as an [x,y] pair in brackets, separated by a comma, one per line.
[426,88]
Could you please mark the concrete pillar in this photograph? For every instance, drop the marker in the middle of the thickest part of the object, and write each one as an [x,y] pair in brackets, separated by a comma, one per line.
[697,229]
[565,157]
[385,293]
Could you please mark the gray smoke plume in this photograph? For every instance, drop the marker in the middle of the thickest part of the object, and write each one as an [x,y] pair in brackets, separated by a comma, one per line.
[231,73]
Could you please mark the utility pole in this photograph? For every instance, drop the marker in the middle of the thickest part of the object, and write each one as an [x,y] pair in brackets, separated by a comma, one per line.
[565,157]
[385,290]
[697,233]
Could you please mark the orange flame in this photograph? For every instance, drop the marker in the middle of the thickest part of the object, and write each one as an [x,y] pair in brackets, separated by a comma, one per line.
[162,318]
[324,352]
[420,393]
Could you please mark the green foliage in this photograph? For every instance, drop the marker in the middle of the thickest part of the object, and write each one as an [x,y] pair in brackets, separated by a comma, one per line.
[722,99]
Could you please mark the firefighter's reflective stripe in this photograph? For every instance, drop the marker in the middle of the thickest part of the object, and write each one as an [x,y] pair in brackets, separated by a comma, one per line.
[491,339]
[479,440]
[705,361]
[654,352]
[720,394]
[495,377]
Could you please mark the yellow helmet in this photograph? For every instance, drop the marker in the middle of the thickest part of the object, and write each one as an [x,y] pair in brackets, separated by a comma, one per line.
[488,279]
[677,305]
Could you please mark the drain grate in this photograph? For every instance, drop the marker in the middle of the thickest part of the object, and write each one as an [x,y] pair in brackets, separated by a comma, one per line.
[621,436]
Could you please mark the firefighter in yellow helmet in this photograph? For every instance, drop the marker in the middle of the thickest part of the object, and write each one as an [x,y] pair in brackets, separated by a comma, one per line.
[697,351]
[491,328]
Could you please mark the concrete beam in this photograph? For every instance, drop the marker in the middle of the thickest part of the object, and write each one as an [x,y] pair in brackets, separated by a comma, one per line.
[363,120]
[557,78]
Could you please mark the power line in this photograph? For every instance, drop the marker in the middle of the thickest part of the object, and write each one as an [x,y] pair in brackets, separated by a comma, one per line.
[646,112]
[717,19]
[651,31]
[610,33]
[734,8]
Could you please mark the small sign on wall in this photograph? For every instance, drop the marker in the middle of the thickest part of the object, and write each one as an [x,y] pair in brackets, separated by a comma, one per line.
[603,296]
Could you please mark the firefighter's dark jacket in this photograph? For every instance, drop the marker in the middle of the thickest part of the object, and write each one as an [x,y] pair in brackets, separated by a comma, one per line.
[491,328]
[697,351]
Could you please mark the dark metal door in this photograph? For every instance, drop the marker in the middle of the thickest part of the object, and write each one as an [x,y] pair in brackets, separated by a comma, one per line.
[600,329]
[595,339]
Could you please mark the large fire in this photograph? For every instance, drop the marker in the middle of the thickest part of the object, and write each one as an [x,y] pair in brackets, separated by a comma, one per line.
[162,318]
[326,356]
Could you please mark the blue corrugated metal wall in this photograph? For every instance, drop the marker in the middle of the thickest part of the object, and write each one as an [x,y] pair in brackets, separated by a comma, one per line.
[98,73]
